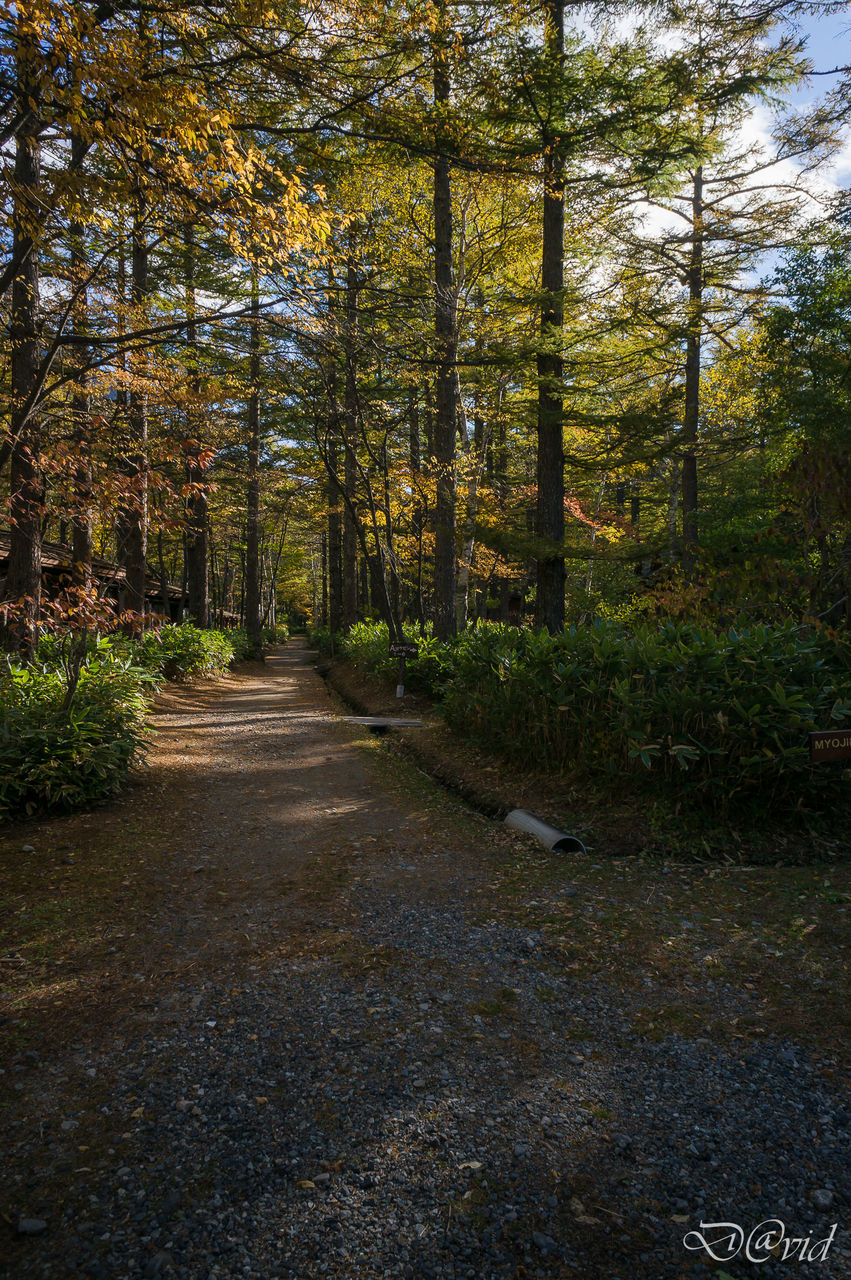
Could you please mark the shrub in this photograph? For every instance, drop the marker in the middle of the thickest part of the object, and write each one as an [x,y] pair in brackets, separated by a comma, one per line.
[178,652]
[708,718]
[714,718]
[243,650]
[279,634]
[58,752]
[368,645]
[321,639]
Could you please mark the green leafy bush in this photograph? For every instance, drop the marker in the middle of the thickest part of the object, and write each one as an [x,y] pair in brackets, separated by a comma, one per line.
[172,652]
[715,719]
[243,650]
[182,651]
[368,645]
[279,634]
[59,752]
[321,639]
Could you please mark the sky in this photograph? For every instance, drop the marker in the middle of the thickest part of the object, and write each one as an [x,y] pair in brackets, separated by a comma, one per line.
[828,46]
[828,39]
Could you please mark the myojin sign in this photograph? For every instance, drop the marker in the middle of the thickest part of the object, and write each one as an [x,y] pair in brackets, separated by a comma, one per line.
[830,744]
[404,650]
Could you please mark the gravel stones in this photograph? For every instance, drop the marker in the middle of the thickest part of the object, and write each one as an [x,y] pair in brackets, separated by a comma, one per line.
[31,1226]
[339,1110]
[309,1155]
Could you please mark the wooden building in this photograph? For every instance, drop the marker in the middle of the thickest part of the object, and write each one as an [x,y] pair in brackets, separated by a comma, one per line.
[56,569]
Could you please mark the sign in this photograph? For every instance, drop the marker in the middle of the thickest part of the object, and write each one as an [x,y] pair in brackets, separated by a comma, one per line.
[830,744]
[404,650]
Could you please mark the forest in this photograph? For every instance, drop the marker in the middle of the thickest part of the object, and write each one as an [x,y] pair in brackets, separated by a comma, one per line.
[521,331]
[480,368]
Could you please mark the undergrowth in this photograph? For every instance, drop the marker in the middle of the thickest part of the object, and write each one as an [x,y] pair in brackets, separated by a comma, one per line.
[59,752]
[713,720]
[72,722]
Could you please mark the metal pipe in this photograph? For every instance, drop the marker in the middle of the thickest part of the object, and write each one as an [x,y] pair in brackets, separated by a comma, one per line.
[550,837]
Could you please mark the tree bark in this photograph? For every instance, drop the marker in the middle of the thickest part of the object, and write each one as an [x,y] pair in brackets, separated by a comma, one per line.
[674,485]
[165,598]
[549,513]
[251,578]
[691,411]
[418,514]
[324,556]
[335,544]
[446,347]
[136,534]
[334,494]
[23,577]
[350,419]
[197,532]
[476,462]
[81,525]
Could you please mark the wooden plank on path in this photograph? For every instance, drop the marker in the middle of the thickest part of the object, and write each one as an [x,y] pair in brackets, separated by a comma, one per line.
[380,724]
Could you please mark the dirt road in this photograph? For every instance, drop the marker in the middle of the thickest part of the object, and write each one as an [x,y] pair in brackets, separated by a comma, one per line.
[345,1028]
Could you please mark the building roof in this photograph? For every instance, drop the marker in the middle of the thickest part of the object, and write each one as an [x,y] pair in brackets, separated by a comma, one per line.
[56,558]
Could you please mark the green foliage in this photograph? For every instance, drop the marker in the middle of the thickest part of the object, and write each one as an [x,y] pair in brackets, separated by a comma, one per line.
[368,645]
[241,646]
[809,336]
[185,651]
[715,719]
[61,751]
[68,737]
[279,634]
[173,652]
[321,639]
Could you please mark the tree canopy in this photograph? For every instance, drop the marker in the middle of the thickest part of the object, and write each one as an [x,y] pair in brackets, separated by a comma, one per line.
[431,312]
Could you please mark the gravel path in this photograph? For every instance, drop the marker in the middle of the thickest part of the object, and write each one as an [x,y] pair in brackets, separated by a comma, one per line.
[381,1078]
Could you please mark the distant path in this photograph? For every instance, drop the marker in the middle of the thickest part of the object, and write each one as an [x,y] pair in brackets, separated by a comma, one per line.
[339,1058]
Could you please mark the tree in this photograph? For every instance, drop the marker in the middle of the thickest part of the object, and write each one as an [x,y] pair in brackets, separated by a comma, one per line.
[808,337]
[729,210]
[549,520]
[23,579]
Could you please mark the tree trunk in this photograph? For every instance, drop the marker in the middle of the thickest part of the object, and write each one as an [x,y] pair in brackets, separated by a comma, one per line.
[136,537]
[324,556]
[446,346]
[270,613]
[164,596]
[477,459]
[197,533]
[549,514]
[226,586]
[674,481]
[23,578]
[364,583]
[334,493]
[350,419]
[335,545]
[418,514]
[252,547]
[691,411]
[81,537]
